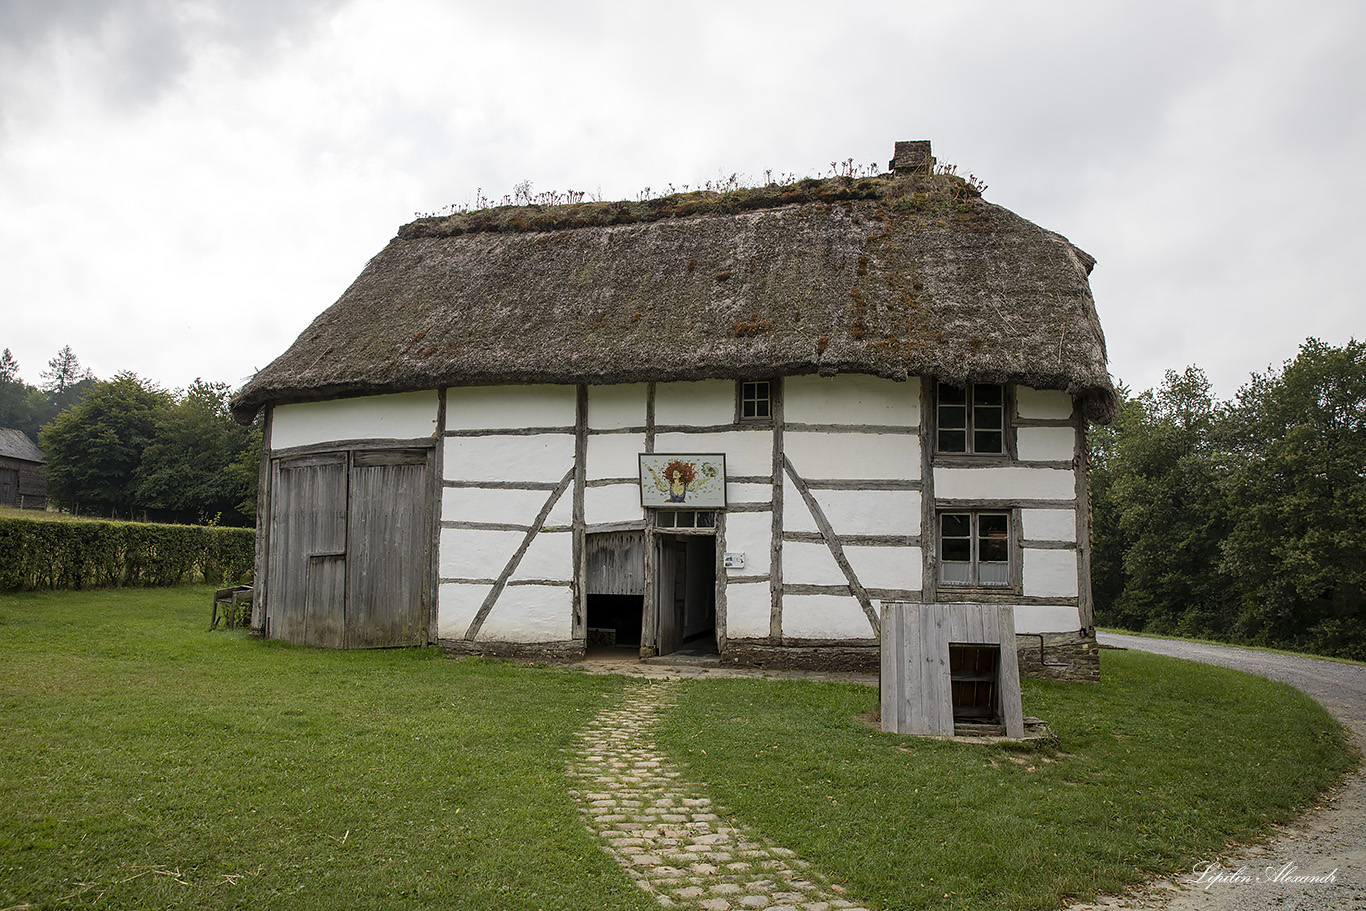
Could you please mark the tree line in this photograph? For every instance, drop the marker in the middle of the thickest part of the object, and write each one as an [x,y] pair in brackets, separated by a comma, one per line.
[1240,520]
[127,448]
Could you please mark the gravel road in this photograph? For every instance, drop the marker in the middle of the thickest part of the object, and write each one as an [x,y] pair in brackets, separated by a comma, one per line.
[1329,840]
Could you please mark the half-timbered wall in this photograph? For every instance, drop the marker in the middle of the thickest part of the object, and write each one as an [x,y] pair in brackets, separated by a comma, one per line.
[832,501]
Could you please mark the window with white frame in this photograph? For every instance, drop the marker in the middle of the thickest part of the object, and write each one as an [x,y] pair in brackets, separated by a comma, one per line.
[974,549]
[970,418]
[755,401]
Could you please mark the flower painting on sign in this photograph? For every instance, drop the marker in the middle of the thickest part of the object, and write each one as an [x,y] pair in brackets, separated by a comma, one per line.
[682,481]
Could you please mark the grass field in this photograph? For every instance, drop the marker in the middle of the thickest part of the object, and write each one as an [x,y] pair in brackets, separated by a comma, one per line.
[148,763]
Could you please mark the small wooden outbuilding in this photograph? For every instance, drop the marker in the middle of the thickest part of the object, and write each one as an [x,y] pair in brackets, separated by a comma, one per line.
[741,419]
[23,471]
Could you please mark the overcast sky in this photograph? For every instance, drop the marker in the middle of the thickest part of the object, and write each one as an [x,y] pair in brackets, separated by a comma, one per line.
[185,185]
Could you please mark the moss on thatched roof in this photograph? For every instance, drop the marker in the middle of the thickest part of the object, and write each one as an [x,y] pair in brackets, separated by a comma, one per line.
[892,276]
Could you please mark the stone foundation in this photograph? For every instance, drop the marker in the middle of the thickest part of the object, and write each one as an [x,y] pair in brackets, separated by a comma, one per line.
[836,658]
[1064,656]
[547,652]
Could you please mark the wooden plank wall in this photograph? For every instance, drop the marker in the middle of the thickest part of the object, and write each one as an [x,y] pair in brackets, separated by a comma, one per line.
[916,684]
[615,563]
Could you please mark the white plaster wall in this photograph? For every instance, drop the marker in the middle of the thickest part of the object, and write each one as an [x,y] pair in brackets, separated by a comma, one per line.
[1050,573]
[537,457]
[851,399]
[855,512]
[810,564]
[1049,524]
[457,605]
[496,407]
[1012,482]
[1046,444]
[610,407]
[407,416]
[853,455]
[549,556]
[885,567]
[747,610]
[748,453]
[471,554]
[749,493]
[824,617]
[614,455]
[1050,404]
[530,613]
[512,507]
[613,503]
[750,533]
[702,403]
[1046,618]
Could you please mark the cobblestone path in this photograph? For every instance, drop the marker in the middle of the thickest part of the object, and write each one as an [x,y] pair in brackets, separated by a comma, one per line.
[665,831]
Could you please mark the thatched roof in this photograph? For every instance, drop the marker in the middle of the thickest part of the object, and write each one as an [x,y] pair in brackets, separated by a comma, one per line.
[15,444]
[892,276]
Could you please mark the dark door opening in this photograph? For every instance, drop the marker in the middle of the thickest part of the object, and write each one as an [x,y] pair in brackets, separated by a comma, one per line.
[615,620]
[973,674]
[685,594]
[615,596]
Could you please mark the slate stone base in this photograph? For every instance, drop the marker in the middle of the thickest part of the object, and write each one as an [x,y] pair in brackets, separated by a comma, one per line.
[1064,656]
[539,652]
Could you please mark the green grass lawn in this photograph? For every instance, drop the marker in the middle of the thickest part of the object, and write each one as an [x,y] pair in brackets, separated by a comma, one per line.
[148,763]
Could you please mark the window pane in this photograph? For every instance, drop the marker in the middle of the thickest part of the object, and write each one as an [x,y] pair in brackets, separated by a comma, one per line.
[955,573]
[988,441]
[957,549]
[993,538]
[953,441]
[994,574]
[987,395]
[952,395]
[956,525]
[706,520]
[987,417]
[993,524]
[761,408]
[664,519]
[953,417]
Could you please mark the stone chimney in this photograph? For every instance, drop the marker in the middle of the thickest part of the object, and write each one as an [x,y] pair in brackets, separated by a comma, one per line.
[912,158]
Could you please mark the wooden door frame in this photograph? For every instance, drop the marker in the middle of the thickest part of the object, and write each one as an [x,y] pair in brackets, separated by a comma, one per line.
[649,630]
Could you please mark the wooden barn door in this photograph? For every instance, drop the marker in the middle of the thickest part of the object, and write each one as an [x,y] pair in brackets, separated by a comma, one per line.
[306,575]
[9,487]
[387,548]
[349,549]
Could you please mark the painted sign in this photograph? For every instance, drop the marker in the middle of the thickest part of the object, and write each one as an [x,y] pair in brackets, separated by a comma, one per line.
[682,481]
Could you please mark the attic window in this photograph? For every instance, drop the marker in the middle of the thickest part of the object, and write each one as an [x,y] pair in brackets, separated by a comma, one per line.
[971,418]
[755,403]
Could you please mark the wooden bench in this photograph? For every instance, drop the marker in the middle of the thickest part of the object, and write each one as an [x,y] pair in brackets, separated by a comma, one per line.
[231,600]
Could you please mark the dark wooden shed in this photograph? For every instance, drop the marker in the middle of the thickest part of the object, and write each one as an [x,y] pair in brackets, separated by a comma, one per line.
[23,471]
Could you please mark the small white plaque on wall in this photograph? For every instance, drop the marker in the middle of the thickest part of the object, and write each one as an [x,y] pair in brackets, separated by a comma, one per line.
[733,561]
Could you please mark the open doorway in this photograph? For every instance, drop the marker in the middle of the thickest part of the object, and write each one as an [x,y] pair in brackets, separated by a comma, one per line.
[685,594]
[615,593]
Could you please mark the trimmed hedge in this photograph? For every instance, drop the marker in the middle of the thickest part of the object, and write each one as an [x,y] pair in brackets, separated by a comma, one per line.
[42,554]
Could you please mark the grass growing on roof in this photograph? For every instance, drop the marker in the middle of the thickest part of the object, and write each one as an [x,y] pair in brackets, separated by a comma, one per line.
[148,763]
[1160,765]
